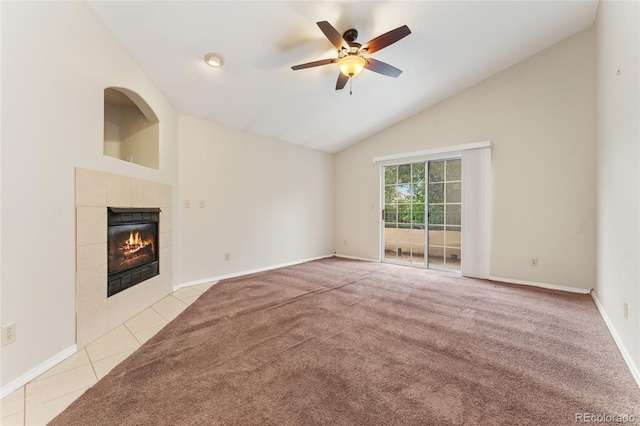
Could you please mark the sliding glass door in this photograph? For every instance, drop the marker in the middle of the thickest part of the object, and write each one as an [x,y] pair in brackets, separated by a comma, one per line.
[404,217]
[410,191]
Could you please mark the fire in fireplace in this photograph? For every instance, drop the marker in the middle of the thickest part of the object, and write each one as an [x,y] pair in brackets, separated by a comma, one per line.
[132,245]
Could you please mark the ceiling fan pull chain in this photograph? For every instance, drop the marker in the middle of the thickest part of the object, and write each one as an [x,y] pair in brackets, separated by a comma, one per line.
[350,86]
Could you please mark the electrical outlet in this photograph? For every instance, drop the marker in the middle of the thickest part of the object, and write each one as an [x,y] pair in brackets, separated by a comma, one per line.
[227,256]
[9,334]
[625,310]
[202,204]
[187,204]
[534,261]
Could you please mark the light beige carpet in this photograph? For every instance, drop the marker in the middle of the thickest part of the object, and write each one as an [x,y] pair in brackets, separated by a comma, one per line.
[340,342]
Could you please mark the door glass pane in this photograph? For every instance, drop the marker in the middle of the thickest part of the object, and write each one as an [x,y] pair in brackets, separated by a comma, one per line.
[390,243]
[390,175]
[454,170]
[404,213]
[436,171]
[451,258]
[404,173]
[453,214]
[418,218]
[409,194]
[417,237]
[436,256]
[391,213]
[453,236]
[417,172]
[436,235]
[436,214]
[454,192]
[389,194]
[404,252]
[436,193]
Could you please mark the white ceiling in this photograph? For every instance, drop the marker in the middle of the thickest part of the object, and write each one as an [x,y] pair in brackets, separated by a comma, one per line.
[453,45]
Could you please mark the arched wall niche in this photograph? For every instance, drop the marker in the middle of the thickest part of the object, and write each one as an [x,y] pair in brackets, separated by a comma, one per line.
[131,128]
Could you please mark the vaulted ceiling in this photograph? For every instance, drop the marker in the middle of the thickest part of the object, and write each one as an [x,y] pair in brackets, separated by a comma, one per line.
[453,45]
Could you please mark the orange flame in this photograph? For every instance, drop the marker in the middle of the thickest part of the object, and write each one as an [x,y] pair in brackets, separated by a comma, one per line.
[135,240]
[134,243]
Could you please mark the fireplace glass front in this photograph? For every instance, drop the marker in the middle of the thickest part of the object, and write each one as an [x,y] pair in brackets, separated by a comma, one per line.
[132,246]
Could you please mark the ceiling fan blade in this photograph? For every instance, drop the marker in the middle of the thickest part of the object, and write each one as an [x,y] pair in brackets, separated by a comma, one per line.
[333,35]
[386,39]
[382,68]
[314,64]
[342,81]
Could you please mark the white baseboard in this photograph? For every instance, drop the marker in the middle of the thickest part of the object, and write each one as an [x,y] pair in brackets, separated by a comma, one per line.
[345,256]
[35,372]
[541,285]
[625,354]
[241,273]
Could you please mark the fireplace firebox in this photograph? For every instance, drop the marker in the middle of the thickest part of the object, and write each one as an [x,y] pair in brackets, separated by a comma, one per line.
[132,247]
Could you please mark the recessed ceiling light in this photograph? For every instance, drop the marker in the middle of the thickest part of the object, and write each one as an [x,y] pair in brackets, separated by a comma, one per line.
[214,60]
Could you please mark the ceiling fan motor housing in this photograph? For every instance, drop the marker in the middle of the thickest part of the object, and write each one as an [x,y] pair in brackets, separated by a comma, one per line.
[350,35]
[354,48]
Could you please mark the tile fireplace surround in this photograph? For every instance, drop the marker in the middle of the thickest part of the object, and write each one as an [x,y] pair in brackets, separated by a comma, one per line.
[95,191]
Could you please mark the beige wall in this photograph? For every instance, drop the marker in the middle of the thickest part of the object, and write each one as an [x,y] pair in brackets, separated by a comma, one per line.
[618,101]
[266,202]
[57,59]
[112,131]
[540,117]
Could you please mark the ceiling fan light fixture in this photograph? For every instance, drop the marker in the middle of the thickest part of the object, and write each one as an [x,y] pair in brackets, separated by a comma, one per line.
[214,60]
[351,65]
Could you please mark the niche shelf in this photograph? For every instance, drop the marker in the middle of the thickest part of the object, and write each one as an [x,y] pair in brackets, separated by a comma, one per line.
[131,128]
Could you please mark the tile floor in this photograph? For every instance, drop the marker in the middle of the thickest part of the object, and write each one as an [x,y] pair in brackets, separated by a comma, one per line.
[49,394]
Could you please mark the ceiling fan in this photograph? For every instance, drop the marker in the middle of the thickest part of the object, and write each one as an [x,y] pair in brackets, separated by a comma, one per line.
[351,55]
